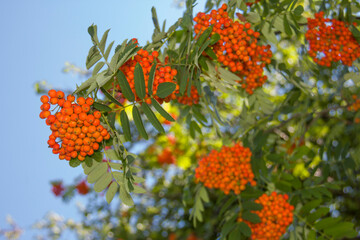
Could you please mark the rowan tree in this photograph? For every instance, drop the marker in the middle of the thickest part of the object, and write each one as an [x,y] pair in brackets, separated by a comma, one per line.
[243,118]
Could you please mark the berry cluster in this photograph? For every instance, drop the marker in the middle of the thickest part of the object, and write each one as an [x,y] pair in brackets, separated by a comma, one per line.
[79,132]
[227,170]
[82,188]
[166,157]
[330,41]
[57,188]
[276,216]
[238,47]
[356,105]
[189,100]
[146,61]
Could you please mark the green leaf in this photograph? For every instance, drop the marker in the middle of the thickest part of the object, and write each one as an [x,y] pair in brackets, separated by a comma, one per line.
[203,194]
[250,205]
[210,53]
[88,169]
[107,52]
[309,206]
[155,19]
[125,125]
[93,57]
[92,30]
[97,156]
[103,182]
[253,17]
[204,36]
[101,107]
[74,162]
[111,192]
[341,230]
[151,79]
[101,80]
[214,38]
[97,68]
[269,33]
[112,154]
[151,117]
[98,171]
[138,122]
[138,189]
[116,166]
[287,27]
[319,213]
[245,229]
[251,217]
[235,234]
[111,98]
[327,223]
[138,179]
[161,110]
[126,197]
[165,89]
[298,10]
[88,161]
[355,32]
[103,41]
[124,86]
[139,81]
[86,84]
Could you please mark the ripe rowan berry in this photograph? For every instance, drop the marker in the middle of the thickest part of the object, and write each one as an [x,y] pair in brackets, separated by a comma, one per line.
[44,99]
[89,101]
[81,101]
[52,93]
[60,94]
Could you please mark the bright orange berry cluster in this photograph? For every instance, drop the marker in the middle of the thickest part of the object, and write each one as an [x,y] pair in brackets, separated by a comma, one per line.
[238,47]
[276,216]
[227,170]
[189,100]
[330,40]
[146,61]
[356,105]
[166,157]
[79,132]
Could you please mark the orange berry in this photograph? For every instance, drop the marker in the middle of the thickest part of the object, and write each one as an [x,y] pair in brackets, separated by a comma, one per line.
[80,101]
[85,107]
[70,98]
[60,94]
[54,100]
[52,93]
[83,116]
[97,114]
[89,101]
[44,99]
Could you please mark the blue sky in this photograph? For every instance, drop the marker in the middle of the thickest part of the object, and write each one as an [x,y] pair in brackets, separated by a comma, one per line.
[37,38]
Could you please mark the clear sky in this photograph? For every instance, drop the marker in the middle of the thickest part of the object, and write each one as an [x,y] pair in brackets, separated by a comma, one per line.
[37,38]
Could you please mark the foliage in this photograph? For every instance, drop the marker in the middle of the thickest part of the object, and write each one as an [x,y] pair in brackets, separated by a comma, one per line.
[300,126]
